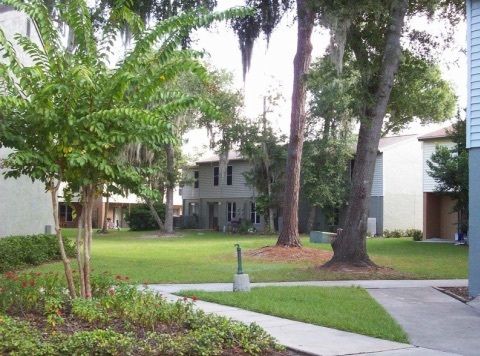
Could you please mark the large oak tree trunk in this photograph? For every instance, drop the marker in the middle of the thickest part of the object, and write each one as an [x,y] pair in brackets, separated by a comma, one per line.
[289,235]
[350,246]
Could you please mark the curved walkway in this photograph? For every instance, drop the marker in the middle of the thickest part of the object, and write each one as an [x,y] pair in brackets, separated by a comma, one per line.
[436,324]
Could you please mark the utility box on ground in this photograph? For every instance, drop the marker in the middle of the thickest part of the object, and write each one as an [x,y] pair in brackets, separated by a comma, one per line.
[321,237]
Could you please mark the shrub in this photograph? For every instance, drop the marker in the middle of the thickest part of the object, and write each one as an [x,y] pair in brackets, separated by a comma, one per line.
[415,234]
[21,251]
[140,217]
[139,322]
[393,233]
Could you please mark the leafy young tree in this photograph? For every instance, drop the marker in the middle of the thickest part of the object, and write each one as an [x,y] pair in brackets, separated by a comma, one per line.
[449,169]
[329,142]
[68,116]
[265,150]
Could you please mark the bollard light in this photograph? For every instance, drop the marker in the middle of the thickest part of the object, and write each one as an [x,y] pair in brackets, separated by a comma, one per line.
[239,258]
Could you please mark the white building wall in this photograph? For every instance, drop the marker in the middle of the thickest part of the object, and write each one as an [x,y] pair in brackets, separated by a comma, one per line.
[25,207]
[403,197]
[429,183]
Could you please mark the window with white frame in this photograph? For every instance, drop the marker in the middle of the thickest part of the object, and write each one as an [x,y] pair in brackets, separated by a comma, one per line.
[254,216]
[231,210]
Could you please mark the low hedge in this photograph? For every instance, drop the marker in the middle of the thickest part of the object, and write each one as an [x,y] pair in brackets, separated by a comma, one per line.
[22,251]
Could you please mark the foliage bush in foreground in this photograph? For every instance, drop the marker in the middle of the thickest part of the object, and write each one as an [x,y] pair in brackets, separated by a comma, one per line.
[118,319]
[21,251]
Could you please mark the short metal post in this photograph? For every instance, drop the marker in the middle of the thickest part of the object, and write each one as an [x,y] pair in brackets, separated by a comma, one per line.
[239,258]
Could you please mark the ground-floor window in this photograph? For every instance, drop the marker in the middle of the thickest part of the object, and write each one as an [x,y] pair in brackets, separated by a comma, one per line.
[254,217]
[66,212]
[231,211]
[192,208]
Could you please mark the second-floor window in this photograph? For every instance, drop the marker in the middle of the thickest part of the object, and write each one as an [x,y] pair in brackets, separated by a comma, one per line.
[196,176]
[216,175]
[229,175]
[231,210]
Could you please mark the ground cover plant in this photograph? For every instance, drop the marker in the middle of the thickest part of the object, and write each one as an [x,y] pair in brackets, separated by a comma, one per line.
[202,256]
[357,312]
[37,316]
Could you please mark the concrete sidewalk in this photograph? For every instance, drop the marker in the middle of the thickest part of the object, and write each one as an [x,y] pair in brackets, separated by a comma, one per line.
[436,323]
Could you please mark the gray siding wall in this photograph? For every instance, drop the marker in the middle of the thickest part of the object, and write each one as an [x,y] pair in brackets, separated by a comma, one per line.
[473,92]
[377,185]
[429,183]
[238,189]
[188,191]
[376,211]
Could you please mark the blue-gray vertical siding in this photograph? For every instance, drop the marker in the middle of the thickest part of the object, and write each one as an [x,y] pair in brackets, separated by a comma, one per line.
[473,58]
[473,143]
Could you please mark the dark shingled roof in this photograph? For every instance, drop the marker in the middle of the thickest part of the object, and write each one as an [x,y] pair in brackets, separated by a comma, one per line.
[440,133]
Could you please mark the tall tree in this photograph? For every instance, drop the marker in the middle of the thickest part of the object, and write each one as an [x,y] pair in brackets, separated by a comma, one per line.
[372,30]
[329,139]
[375,40]
[265,150]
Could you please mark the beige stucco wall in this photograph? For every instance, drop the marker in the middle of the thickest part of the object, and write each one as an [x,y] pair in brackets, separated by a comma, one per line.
[402,184]
[448,226]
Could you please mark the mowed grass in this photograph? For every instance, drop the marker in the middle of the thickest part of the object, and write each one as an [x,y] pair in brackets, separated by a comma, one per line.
[344,308]
[201,257]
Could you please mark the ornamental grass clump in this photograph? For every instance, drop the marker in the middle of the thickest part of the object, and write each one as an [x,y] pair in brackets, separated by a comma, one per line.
[38,316]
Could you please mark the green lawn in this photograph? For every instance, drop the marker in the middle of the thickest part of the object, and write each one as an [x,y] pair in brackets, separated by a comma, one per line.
[211,257]
[343,308]
[200,257]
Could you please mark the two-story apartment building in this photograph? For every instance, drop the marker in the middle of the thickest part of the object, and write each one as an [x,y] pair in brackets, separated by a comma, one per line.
[396,201]
[25,206]
[217,198]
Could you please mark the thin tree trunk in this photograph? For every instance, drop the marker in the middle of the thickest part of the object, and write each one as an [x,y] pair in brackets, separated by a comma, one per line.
[301,63]
[311,218]
[350,246]
[266,163]
[88,196]
[105,215]
[170,188]
[80,258]
[155,215]
[271,220]
[54,187]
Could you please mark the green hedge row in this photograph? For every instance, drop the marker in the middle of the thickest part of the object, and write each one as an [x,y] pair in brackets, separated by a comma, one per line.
[22,251]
